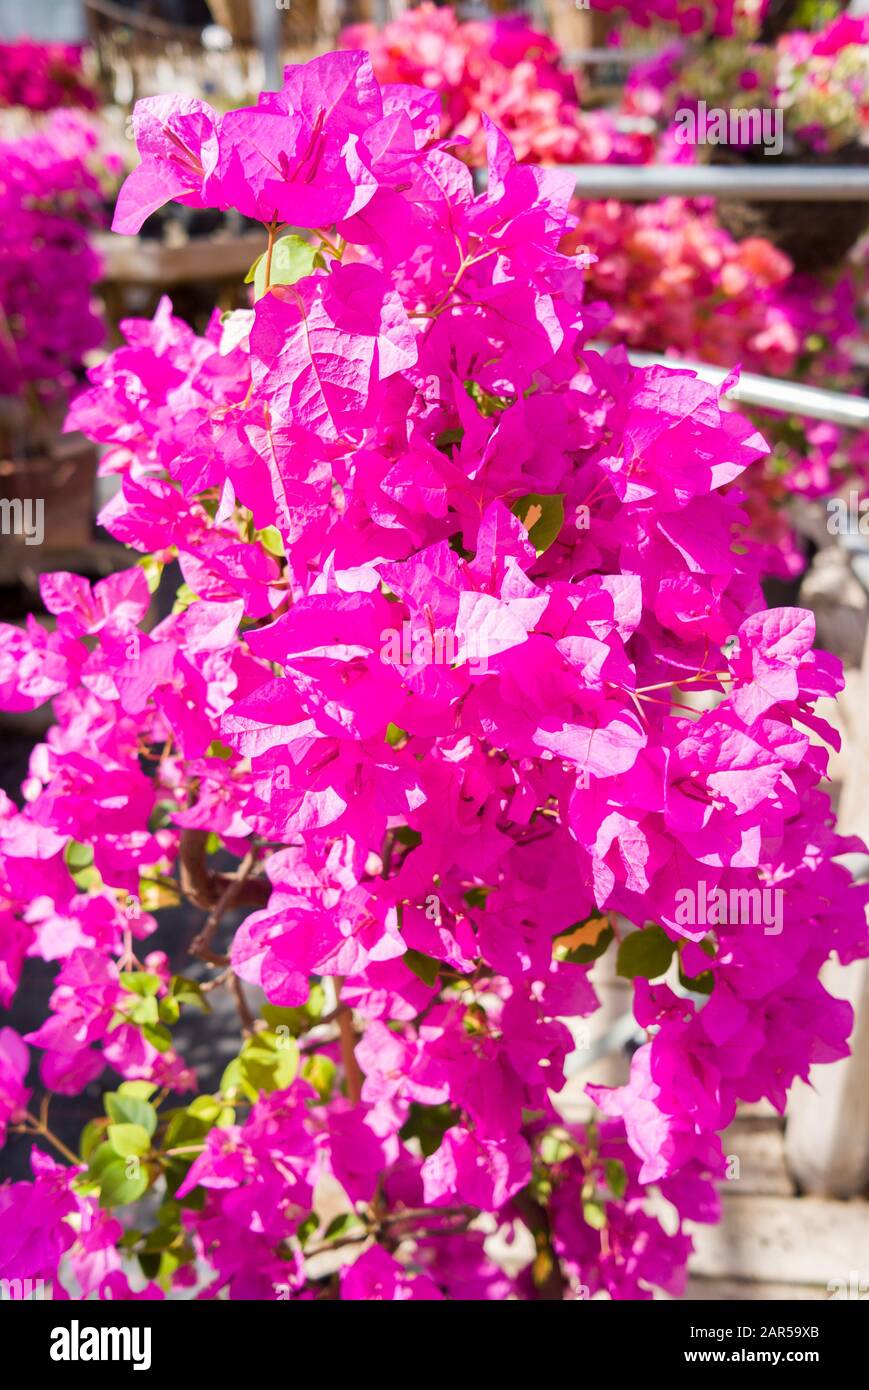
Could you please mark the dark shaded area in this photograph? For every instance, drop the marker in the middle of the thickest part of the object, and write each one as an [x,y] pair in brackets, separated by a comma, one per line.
[815,234]
[192,13]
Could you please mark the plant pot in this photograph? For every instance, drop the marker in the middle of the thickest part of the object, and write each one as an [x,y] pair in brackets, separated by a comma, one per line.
[818,234]
[61,478]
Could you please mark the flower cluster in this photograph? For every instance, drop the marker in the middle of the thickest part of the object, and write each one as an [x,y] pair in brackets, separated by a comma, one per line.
[677,282]
[409,427]
[820,81]
[505,70]
[43,76]
[692,17]
[50,202]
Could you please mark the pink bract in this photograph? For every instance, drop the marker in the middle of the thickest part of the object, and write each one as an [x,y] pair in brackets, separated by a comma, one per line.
[452,582]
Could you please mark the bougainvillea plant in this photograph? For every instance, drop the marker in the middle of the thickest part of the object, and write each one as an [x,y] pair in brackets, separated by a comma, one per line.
[678,283]
[675,280]
[819,81]
[50,203]
[43,76]
[469,681]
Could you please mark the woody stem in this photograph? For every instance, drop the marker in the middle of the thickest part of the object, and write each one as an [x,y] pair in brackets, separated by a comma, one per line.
[348,1048]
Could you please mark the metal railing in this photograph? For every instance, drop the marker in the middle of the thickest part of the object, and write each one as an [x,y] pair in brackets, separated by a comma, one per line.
[783,183]
[790,183]
[618,57]
[791,397]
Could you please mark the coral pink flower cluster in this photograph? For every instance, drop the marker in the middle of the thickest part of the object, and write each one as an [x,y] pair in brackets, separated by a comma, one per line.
[677,282]
[674,279]
[501,68]
[677,279]
[409,429]
[50,202]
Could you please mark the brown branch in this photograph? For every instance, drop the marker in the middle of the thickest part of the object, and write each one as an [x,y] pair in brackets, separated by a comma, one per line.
[381,1228]
[309,1251]
[201,944]
[248,1021]
[204,888]
[272,230]
[395,1218]
[352,1069]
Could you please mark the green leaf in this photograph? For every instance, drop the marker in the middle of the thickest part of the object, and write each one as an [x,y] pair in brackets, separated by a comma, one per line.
[292,259]
[216,749]
[169,1010]
[153,571]
[232,1081]
[185,1128]
[704,983]
[307,1228]
[447,438]
[320,1071]
[117,1189]
[125,1109]
[140,982]
[144,1012]
[79,859]
[161,816]
[188,991]
[588,950]
[616,1177]
[184,596]
[99,1161]
[428,1124]
[424,967]
[140,1090]
[77,856]
[298,1020]
[158,1036]
[487,403]
[405,836]
[476,897]
[645,954]
[92,1135]
[594,1213]
[269,1062]
[159,1239]
[129,1140]
[394,735]
[543,517]
[206,1108]
[271,540]
[155,894]
[340,1225]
